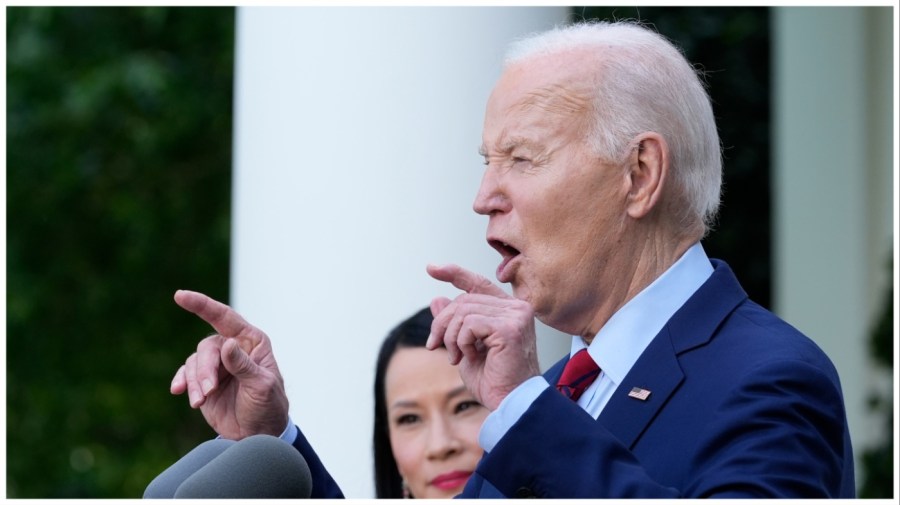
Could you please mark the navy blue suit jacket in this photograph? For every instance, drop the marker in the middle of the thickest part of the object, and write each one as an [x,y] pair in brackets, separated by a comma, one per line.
[741,405]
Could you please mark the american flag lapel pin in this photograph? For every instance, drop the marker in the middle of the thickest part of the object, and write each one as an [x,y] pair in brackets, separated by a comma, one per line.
[639,393]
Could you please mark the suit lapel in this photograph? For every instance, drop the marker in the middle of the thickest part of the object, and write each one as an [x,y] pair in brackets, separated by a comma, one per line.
[658,370]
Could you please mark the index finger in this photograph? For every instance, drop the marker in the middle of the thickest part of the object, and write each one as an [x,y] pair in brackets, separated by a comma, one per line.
[466,280]
[223,318]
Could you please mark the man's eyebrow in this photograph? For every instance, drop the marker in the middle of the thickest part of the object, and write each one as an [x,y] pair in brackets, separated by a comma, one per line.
[511,143]
[508,145]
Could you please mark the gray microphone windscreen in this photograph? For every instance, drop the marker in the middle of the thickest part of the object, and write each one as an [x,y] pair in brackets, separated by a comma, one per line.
[165,484]
[260,466]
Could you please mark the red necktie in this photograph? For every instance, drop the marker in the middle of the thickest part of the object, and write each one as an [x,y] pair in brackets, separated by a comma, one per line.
[579,373]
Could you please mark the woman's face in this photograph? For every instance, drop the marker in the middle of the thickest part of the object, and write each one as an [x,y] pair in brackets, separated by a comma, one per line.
[434,422]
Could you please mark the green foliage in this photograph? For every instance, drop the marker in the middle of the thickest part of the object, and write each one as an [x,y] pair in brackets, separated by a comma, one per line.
[878,461]
[118,193]
[731,47]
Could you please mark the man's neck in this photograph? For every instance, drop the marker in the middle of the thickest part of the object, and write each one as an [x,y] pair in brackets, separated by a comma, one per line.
[654,257]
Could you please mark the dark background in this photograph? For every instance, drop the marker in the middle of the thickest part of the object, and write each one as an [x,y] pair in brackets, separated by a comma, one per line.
[118,193]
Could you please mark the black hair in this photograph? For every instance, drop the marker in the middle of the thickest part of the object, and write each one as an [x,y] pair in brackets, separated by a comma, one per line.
[413,332]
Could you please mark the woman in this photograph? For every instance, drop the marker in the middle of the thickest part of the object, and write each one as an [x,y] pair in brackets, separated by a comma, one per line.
[426,422]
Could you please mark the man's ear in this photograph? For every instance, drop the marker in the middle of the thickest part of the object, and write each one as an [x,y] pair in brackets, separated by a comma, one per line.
[648,170]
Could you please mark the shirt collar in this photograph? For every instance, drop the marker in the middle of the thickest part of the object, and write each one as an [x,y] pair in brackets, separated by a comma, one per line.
[620,342]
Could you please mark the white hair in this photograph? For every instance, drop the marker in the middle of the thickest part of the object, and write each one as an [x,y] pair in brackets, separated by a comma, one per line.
[644,83]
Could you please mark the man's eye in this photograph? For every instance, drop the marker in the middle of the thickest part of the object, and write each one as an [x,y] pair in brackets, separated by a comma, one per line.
[517,160]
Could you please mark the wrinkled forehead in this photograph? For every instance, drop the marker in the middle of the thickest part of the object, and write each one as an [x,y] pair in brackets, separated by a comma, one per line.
[552,93]
[561,83]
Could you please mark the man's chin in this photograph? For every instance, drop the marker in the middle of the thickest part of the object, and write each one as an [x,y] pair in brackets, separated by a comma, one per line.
[520,292]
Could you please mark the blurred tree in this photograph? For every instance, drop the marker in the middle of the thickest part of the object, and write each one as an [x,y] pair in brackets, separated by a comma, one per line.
[878,461]
[118,193]
[730,46]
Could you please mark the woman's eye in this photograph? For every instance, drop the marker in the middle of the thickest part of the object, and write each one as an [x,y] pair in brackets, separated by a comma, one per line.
[463,406]
[407,419]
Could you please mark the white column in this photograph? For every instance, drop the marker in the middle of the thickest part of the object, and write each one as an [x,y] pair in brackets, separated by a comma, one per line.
[832,185]
[356,136]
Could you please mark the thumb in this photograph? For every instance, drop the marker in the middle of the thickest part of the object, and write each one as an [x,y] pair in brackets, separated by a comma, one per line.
[236,361]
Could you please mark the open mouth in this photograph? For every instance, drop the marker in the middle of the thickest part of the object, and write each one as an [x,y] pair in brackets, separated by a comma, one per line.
[509,253]
[505,250]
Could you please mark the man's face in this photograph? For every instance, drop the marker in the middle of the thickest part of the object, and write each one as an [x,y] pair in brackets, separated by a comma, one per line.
[556,209]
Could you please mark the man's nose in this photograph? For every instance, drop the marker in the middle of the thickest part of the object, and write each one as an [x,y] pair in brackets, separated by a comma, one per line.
[491,197]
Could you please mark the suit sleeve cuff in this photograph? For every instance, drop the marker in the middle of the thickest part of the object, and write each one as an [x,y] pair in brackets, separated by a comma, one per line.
[509,411]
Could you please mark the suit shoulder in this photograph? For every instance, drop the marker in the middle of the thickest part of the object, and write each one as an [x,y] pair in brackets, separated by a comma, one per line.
[757,334]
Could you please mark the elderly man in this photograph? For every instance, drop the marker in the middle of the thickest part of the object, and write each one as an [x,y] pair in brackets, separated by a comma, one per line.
[603,173]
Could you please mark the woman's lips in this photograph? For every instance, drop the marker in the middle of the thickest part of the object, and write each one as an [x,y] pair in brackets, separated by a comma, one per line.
[451,480]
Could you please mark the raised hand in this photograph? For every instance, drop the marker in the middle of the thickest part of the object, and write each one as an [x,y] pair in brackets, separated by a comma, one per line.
[488,333]
[233,377]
